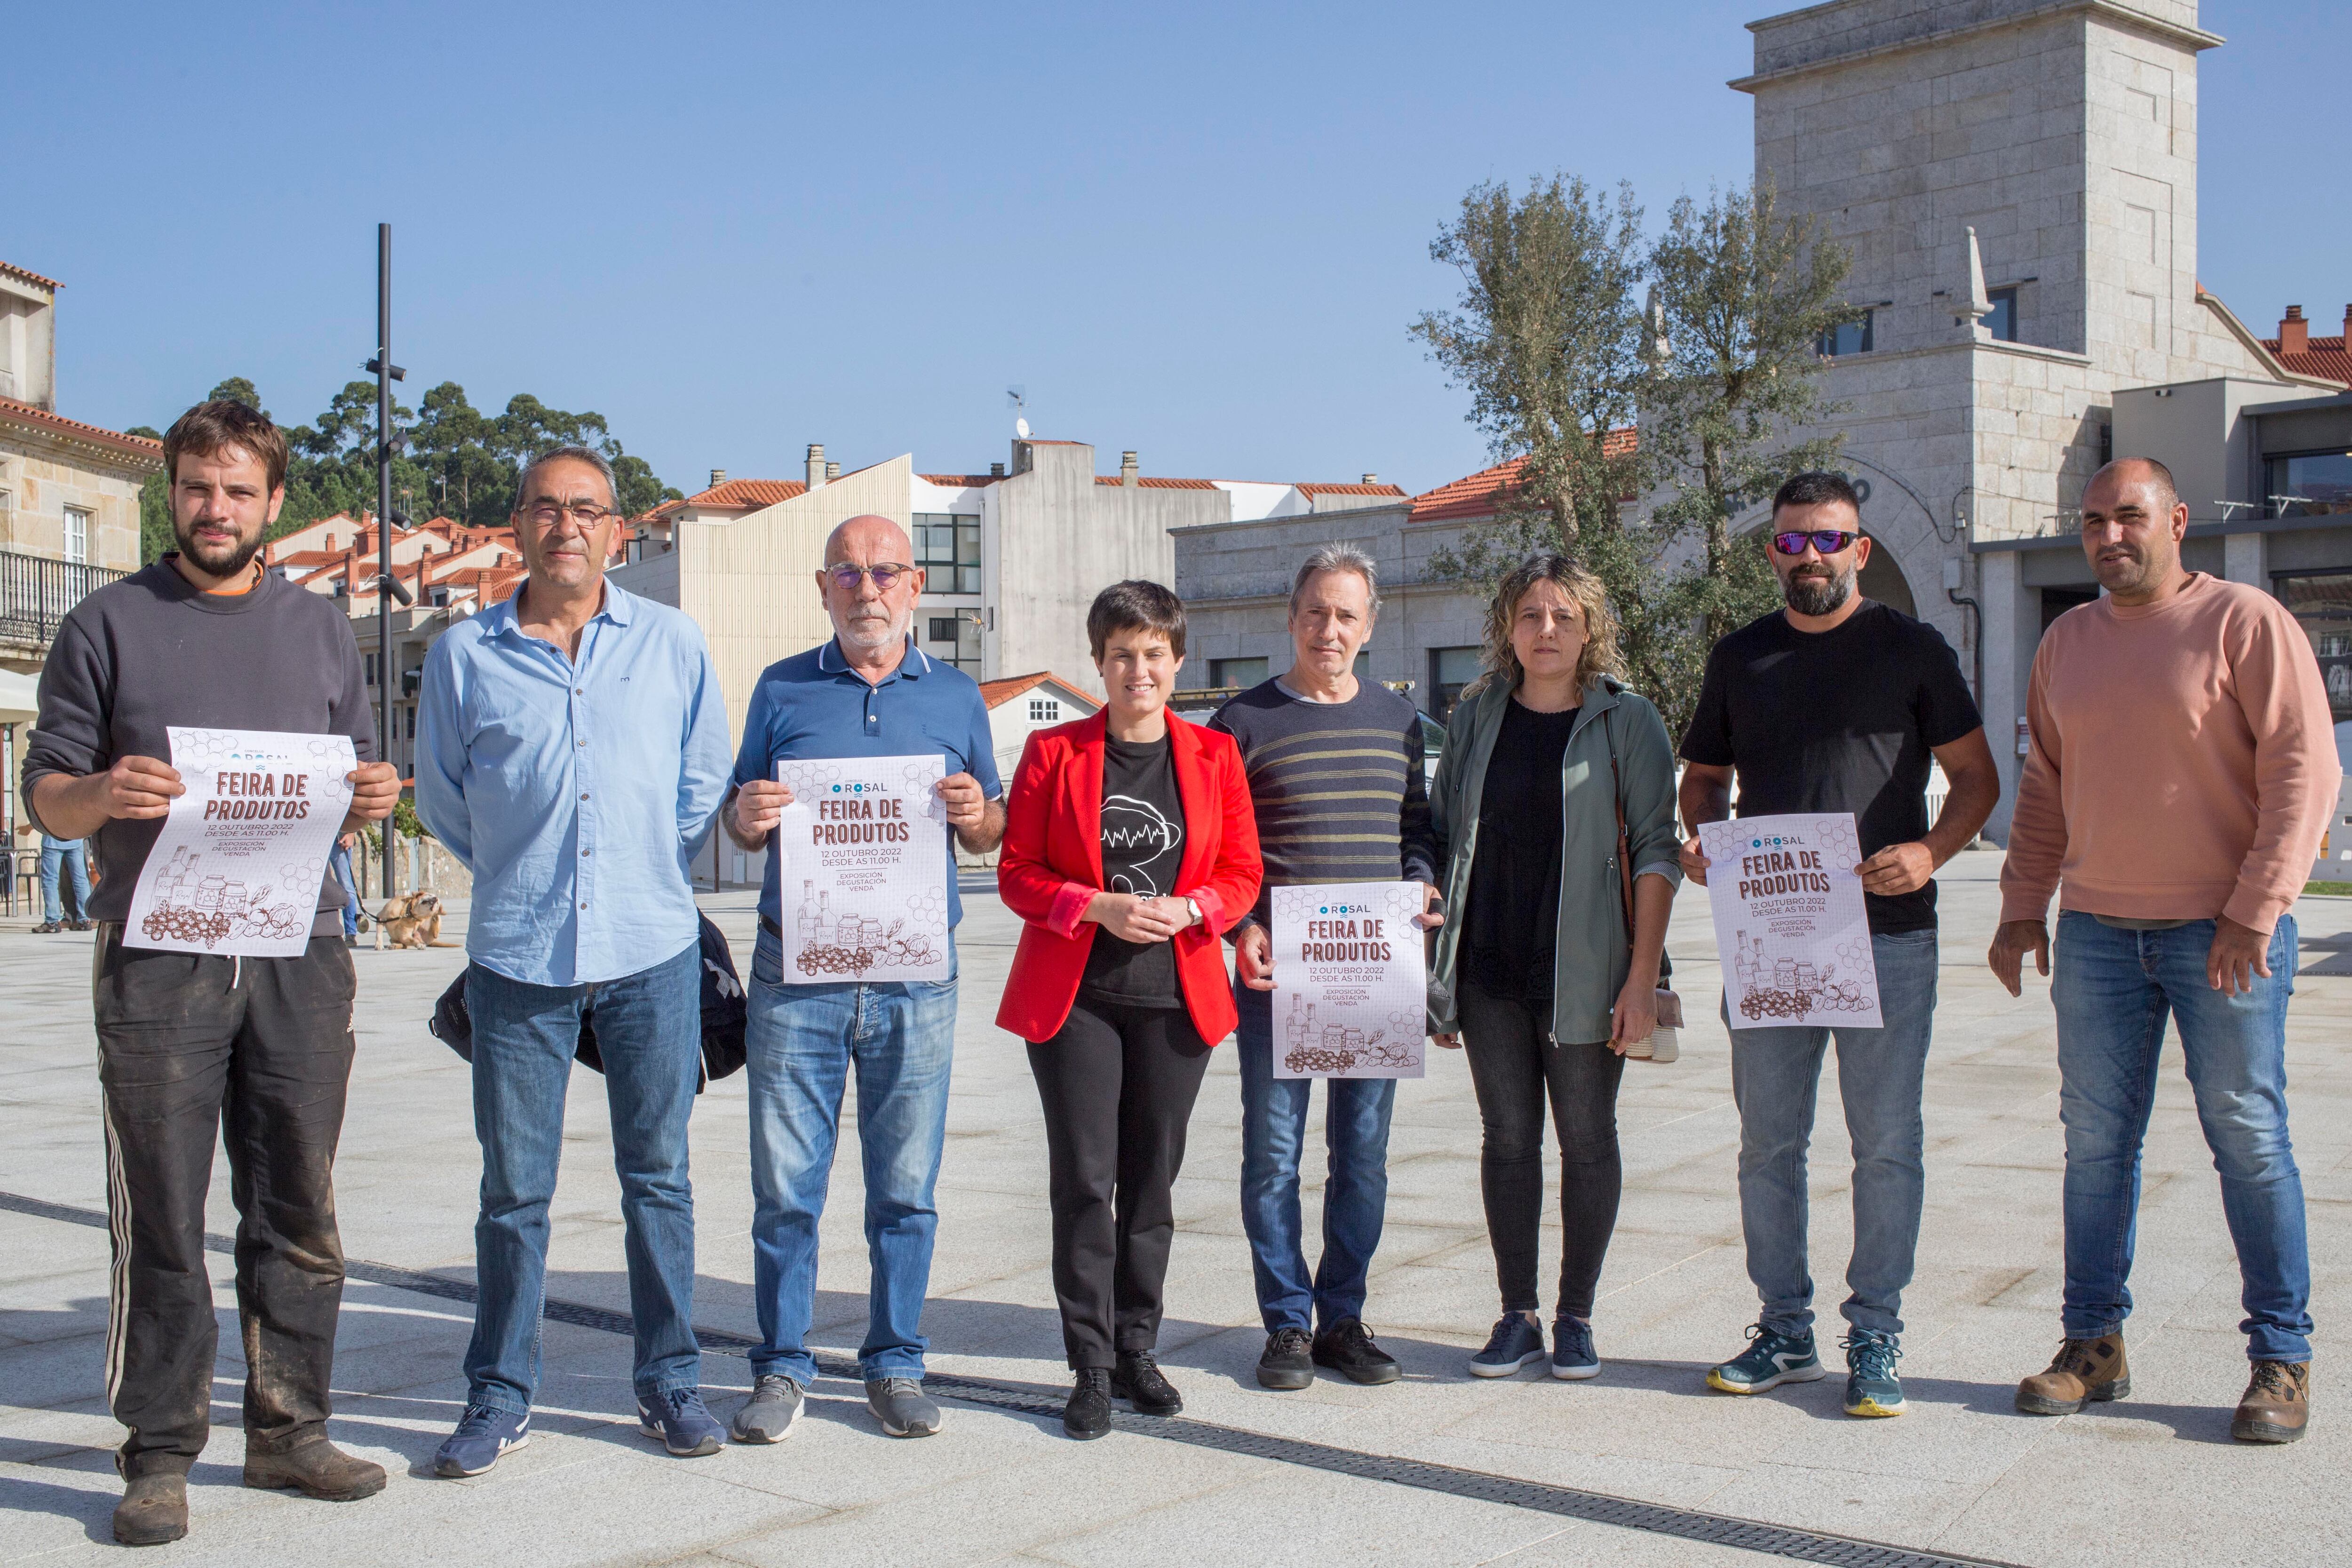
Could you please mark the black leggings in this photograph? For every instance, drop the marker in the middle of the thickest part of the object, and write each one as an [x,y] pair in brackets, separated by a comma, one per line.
[1511,1067]
[1117,1085]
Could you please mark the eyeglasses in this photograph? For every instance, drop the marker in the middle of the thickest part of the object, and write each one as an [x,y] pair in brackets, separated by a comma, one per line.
[1828,540]
[547,513]
[886,576]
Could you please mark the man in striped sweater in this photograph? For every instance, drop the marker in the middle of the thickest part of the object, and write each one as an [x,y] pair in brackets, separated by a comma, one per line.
[1335,774]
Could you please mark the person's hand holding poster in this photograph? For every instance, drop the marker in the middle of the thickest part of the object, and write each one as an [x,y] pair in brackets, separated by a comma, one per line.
[1350,989]
[240,861]
[1790,923]
[863,870]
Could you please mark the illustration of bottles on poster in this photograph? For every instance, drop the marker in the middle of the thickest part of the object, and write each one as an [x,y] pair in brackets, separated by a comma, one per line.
[864,870]
[1350,989]
[1789,921]
[237,865]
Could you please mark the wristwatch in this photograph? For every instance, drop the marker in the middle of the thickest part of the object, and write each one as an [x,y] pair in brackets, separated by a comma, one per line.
[1198,918]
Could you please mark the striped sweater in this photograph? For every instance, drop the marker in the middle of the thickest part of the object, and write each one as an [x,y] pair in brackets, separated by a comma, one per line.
[1338,786]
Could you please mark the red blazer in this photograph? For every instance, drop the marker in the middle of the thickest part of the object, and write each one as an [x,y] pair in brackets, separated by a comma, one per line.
[1051,866]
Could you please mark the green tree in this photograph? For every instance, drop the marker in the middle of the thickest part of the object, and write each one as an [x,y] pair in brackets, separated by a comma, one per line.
[1742,295]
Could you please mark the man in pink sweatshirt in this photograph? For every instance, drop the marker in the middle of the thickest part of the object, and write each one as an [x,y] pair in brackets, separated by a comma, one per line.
[2182,770]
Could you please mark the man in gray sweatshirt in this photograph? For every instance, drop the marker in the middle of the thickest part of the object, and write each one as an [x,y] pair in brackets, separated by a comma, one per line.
[255,1053]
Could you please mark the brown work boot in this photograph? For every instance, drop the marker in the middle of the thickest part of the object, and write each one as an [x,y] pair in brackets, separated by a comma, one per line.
[316,1469]
[154,1508]
[2277,1404]
[2083,1372]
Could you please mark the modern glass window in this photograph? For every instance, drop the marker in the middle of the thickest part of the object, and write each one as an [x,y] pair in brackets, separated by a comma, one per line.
[946,547]
[2322,603]
[2004,320]
[77,535]
[1045,710]
[1223,672]
[2311,484]
[1849,337]
[1450,669]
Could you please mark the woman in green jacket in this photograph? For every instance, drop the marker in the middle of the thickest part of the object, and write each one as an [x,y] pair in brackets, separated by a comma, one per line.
[1536,974]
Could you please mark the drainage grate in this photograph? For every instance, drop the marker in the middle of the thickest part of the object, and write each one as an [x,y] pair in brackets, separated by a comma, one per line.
[1567,1502]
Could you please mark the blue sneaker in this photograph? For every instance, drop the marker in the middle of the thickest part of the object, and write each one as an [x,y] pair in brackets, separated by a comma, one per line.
[677,1417]
[1515,1343]
[1770,1360]
[1572,1356]
[485,1433]
[1871,1386]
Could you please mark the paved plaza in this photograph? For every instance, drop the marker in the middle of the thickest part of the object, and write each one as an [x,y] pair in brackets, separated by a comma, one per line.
[1399,1474]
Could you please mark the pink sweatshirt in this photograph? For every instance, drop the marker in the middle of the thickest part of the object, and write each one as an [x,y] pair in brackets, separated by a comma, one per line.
[2183,762]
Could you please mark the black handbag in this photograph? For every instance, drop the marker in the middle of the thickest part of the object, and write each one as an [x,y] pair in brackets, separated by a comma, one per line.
[724,1016]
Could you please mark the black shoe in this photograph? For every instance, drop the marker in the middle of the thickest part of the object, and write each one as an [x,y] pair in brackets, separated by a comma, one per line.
[51,928]
[81,925]
[1087,1415]
[1347,1347]
[1137,1380]
[1286,1362]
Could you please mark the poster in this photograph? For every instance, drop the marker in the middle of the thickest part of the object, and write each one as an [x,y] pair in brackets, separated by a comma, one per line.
[237,867]
[1350,989]
[863,870]
[1789,921]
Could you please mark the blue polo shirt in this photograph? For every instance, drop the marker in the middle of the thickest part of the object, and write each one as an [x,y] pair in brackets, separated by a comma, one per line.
[814,705]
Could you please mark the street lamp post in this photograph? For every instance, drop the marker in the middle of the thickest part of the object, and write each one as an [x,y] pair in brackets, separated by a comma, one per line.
[386,373]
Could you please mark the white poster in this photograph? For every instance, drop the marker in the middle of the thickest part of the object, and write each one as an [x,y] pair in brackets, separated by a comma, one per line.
[237,867]
[1350,991]
[863,870]
[1790,923]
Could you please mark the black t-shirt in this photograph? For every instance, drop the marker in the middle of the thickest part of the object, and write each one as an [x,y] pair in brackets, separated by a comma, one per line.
[1514,919]
[1142,845]
[1837,720]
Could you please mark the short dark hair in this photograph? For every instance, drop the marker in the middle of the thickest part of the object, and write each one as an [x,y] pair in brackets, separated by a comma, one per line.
[1135,603]
[209,428]
[1814,487]
[2163,477]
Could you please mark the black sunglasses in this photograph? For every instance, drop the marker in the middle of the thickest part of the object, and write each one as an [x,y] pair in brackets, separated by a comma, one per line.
[1828,540]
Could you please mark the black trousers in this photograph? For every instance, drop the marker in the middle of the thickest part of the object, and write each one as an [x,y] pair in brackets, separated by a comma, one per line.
[255,1054]
[1514,1070]
[1117,1084]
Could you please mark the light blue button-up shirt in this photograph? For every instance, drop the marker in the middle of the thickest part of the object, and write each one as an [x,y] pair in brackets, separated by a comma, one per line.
[578,795]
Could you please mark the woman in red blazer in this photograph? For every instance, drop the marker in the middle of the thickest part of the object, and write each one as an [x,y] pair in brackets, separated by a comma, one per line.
[1129,847]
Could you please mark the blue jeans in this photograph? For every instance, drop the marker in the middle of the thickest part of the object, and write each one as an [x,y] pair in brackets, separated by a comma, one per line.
[649,1033]
[1776,1075]
[66,856]
[2112,989]
[340,863]
[801,1042]
[1355,1189]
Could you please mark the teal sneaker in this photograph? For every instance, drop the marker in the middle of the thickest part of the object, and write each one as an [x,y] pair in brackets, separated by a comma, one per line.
[1871,1386]
[1770,1360]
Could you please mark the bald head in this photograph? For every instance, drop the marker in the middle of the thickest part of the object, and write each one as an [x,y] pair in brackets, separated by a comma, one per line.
[867,538]
[2133,473]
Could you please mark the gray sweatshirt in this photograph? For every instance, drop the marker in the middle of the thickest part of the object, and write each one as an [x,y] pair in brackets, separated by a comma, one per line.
[149,652]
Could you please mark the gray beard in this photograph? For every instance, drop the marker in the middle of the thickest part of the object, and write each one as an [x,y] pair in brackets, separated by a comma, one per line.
[1814,598]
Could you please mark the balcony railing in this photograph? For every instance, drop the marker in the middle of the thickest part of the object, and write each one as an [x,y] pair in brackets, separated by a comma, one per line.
[36,592]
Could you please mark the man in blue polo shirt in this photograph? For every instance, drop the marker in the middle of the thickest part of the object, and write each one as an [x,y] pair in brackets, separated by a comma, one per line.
[869,692]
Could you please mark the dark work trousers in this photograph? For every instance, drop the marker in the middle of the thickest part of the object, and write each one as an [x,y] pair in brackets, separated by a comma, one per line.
[254,1053]
[1117,1084]
[1514,1067]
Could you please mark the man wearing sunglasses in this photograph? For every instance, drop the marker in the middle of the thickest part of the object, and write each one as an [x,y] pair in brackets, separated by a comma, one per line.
[867,693]
[1836,704]
[572,751]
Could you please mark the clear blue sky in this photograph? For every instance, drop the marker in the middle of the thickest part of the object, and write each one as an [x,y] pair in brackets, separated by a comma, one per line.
[737,228]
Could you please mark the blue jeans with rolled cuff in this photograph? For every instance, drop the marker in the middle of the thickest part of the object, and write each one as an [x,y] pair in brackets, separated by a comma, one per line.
[2112,990]
[649,1032]
[72,861]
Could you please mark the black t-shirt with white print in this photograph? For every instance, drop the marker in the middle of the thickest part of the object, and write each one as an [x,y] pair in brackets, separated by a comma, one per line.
[1143,844]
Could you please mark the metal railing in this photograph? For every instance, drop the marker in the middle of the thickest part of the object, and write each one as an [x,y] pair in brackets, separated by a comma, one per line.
[36,592]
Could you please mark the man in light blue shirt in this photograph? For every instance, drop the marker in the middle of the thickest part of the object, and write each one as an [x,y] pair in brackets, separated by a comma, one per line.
[572,751]
[866,692]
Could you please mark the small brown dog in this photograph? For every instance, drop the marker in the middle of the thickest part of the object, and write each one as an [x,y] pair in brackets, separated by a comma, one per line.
[412,919]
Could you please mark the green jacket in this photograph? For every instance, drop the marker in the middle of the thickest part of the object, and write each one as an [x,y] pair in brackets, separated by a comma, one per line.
[1593,956]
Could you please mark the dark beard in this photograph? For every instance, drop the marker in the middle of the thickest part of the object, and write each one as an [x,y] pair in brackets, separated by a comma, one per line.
[230,563]
[1809,597]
